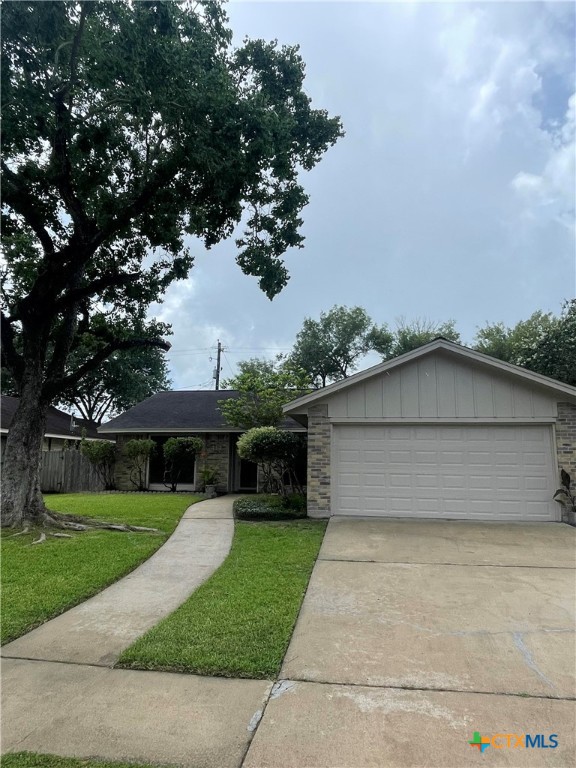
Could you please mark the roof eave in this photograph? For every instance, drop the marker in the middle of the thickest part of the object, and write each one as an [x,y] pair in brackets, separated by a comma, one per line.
[183,430]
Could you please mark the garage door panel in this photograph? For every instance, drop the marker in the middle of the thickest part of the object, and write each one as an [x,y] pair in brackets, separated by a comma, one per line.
[486,472]
[508,483]
[399,481]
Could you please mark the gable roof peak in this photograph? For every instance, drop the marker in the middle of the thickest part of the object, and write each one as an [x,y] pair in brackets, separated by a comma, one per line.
[439,343]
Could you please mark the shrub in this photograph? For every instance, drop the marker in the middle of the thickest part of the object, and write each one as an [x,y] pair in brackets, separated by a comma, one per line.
[270,507]
[276,451]
[179,452]
[137,452]
[209,476]
[102,455]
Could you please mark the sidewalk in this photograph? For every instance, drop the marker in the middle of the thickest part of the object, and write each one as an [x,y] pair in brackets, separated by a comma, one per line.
[128,715]
[98,630]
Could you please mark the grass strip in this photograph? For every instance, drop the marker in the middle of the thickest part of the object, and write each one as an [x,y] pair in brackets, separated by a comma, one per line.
[41,581]
[37,760]
[239,622]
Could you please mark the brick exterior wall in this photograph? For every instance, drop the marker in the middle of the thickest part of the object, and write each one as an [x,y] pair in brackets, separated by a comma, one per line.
[566,438]
[319,502]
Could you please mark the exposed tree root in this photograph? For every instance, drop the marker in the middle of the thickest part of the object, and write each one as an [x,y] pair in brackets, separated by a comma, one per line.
[52,519]
[20,533]
[49,520]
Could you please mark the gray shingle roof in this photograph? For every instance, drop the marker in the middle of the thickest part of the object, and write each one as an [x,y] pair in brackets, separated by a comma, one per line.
[193,411]
[57,422]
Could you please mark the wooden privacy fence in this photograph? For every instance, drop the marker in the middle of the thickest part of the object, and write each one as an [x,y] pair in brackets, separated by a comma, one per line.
[68,472]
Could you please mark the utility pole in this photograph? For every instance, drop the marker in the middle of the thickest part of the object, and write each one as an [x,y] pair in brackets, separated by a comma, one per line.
[218,369]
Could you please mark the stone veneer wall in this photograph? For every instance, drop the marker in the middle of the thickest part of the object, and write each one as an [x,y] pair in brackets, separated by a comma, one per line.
[122,473]
[319,501]
[216,455]
[566,438]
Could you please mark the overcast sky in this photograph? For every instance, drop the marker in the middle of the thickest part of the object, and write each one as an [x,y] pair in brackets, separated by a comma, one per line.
[450,197]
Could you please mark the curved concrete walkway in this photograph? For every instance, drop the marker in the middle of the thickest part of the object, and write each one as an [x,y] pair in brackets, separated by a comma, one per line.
[98,630]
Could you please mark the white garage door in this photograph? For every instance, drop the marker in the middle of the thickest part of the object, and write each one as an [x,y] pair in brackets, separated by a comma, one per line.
[474,472]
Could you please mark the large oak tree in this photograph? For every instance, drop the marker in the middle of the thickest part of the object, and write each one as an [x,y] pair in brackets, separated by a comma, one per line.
[126,127]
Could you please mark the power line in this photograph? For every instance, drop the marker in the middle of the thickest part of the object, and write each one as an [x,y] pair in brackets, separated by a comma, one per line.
[235,350]
[194,386]
[228,363]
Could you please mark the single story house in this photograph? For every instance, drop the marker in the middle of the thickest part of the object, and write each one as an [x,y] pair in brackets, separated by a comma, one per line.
[62,429]
[186,414]
[440,432]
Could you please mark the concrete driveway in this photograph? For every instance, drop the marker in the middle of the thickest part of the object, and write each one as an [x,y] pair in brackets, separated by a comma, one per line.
[415,634]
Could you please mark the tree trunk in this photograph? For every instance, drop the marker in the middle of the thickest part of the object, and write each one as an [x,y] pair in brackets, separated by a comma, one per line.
[22,502]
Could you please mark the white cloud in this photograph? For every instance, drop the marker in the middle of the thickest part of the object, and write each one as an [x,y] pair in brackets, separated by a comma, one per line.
[549,196]
[449,197]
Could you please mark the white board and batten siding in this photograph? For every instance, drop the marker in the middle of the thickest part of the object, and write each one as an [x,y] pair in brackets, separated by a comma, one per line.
[439,437]
[439,386]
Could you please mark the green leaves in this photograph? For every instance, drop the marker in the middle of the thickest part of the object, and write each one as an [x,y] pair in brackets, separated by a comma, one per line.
[276,451]
[328,349]
[264,387]
[128,126]
[544,343]
[179,453]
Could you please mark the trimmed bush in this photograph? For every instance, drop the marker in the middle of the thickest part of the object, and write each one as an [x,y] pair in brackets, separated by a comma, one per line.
[137,451]
[179,452]
[270,507]
[102,455]
[276,452]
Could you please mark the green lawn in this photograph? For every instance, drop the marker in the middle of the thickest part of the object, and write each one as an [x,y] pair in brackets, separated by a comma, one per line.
[41,581]
[239,622]
[35,760]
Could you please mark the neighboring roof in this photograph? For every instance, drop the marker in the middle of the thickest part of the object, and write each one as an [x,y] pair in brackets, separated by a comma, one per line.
[188,411]
[300,405]
[58,423]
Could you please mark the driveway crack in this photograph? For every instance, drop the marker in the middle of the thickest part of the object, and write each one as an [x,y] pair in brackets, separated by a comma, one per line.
[518,638]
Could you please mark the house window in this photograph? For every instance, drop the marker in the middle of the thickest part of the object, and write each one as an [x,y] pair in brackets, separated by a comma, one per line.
[157,467]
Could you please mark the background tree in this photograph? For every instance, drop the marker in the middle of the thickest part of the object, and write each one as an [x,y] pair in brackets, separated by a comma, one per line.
[329,349]
[126,127]
[123,380]
[515,344]
[264,386]
[411,335]
[179,453]
[544,343]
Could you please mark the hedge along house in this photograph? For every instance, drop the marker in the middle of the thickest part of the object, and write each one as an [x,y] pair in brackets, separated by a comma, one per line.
[186,414]
[440,432]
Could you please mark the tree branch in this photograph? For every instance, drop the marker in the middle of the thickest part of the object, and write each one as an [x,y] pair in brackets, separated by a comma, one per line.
[162,175]
[54,388]
[16,197]
[62,132]
[11,358]
[77,294]
[63,339]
